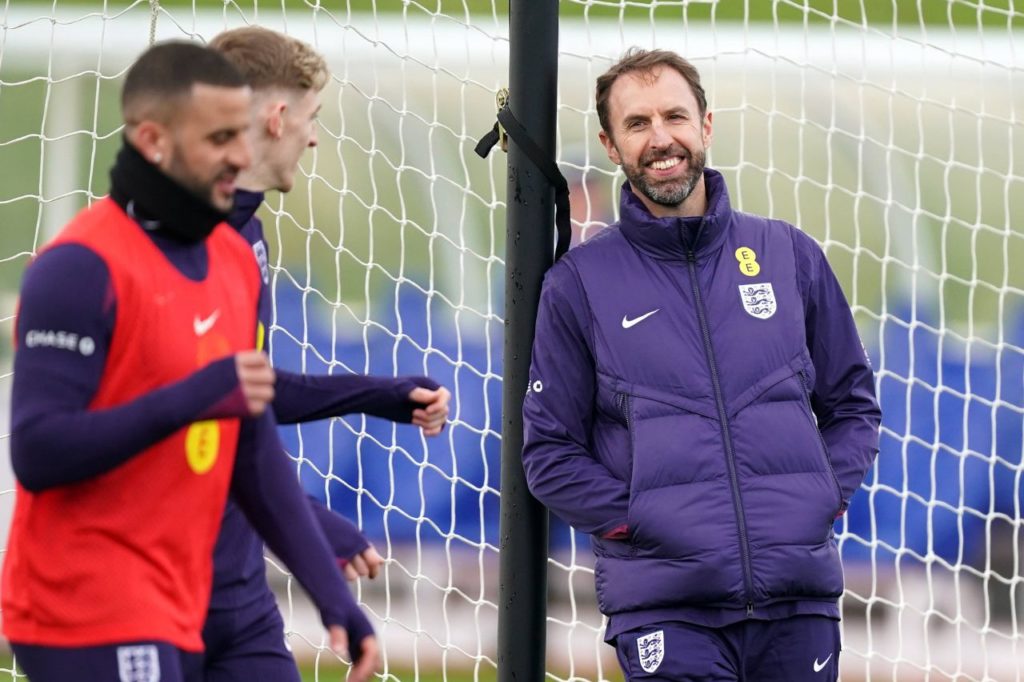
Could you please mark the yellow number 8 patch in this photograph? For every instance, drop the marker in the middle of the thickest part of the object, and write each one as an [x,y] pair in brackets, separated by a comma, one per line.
[202,443]
[748,261]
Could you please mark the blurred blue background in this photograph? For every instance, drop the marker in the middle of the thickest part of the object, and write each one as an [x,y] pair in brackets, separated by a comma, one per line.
[381,473]
[950,447]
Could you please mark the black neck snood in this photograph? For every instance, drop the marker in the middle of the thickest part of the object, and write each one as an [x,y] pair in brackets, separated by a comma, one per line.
[159,203]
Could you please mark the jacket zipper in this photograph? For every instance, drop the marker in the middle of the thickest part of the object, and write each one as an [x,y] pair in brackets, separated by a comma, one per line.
[805,382]
[622,400]
[730,457]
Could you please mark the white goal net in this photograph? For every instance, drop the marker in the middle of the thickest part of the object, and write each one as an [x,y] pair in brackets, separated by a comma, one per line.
[891,132]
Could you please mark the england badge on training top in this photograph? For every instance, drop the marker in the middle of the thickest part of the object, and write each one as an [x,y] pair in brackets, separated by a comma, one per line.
[260,250]
[758,299]
[651,649]
[139,663]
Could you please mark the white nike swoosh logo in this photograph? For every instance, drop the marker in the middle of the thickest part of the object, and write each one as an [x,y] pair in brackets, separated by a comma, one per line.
[627,323]
[202,326]
[819,666]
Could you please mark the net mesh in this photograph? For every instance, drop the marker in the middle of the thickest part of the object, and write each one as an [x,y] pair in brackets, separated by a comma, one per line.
[890,132]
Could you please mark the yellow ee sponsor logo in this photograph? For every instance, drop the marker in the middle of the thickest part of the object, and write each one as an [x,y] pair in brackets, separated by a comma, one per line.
[748,261]
[202,443]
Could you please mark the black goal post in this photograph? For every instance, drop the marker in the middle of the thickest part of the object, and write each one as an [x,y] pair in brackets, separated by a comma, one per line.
[523,545]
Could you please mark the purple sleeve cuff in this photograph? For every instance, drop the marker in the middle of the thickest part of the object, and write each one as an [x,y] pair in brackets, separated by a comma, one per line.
[343,536]
[358,628]
[305,397]
[232,403]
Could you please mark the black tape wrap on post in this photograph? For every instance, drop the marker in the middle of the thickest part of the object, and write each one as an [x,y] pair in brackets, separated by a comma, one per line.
[519,134]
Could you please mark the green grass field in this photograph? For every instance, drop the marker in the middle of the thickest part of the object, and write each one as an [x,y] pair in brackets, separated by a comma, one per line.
[337,674]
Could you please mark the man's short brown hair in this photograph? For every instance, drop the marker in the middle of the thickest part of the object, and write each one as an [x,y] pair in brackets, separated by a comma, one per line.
[638,60]
[268,59]
[163,77]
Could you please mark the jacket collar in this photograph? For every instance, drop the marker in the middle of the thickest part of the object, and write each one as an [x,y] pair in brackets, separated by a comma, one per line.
[246,205]
[673,238]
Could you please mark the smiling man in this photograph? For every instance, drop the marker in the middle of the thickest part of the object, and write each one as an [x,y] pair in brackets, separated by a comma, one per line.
[700,404]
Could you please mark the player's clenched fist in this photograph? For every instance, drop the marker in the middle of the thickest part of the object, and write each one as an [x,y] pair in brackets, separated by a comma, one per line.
[433,411]
[256,379]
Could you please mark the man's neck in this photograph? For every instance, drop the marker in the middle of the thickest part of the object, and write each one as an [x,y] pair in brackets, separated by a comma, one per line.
[254,178]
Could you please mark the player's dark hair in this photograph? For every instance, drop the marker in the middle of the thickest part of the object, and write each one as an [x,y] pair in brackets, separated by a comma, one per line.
[638,60]
[167,71]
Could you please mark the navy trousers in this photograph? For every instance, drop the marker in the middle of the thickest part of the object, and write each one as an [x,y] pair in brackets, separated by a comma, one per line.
[797,649]
[125,662]
[247,645]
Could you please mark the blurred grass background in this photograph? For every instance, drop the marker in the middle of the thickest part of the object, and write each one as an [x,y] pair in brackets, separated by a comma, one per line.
[327,673]
[882,13]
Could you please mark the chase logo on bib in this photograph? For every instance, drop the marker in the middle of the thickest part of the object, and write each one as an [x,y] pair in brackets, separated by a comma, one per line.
[138,663]
[651,649]
[758,300]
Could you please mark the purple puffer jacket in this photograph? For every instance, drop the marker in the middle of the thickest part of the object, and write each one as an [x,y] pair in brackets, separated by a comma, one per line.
[713,398]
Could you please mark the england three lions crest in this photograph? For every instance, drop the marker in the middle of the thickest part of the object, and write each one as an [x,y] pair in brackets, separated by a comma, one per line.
[651,649]
[139,663]
[758,299]
[259,249]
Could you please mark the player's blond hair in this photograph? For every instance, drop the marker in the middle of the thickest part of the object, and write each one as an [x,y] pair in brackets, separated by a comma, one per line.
[268,59]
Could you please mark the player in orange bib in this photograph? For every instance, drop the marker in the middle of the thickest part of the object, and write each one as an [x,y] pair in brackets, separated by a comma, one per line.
[135,385]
